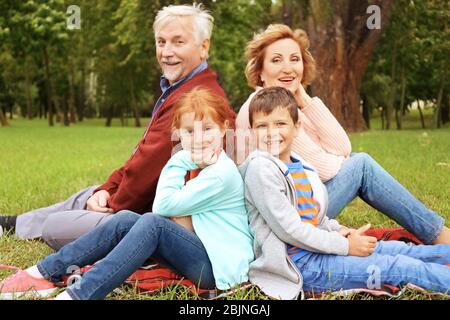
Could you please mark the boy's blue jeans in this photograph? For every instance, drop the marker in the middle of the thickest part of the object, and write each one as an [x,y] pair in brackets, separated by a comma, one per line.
[393,262]
[362,176]
[122,245]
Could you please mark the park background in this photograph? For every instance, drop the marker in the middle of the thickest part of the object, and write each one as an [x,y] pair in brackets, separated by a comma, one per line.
[74,102]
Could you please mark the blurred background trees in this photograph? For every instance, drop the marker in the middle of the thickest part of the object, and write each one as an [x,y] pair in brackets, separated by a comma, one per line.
[107,68]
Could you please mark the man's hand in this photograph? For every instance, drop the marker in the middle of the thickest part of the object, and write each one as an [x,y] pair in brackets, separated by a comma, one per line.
[98,202]
[359,244]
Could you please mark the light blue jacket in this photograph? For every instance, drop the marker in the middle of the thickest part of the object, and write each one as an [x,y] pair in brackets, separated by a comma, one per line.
[215,200]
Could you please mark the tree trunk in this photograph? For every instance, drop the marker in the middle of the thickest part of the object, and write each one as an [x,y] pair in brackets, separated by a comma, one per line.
[122,118]
[438,113]
[137,116]
[391,105]
[366,113]
[28,92]
[3,119]
[422,120]
[81,96]
[48,87]
[287,12]
[342,46]
[109,116]
[65,111]
[401,110]
[445,108]
[59,115]
[71,98]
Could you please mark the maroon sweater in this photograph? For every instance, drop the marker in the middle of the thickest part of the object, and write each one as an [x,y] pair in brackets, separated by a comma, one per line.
[133,186]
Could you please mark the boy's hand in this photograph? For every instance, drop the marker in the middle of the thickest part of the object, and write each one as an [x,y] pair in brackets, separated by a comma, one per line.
[359,244]
[345,232]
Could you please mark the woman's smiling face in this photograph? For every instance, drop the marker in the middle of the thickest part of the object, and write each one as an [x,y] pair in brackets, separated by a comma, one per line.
[283,65]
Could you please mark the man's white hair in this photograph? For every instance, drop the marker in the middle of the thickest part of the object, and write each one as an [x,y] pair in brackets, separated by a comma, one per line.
[203,21]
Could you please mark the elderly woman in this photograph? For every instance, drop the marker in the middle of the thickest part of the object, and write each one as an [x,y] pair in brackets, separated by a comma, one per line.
[279,56]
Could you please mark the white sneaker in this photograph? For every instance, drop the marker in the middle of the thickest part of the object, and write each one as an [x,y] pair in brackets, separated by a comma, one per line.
[1,231]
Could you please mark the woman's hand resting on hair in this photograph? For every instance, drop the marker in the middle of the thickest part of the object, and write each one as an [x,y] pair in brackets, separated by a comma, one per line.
[302,97]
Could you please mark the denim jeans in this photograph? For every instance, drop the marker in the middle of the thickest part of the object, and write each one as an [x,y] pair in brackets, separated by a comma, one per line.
[393,262]
[120,246]
[362,176]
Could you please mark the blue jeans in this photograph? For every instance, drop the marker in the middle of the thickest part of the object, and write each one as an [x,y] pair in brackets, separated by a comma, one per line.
[362,176]
[120,246]
[393,262]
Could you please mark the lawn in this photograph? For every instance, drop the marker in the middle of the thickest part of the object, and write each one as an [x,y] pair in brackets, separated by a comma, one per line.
[40,166]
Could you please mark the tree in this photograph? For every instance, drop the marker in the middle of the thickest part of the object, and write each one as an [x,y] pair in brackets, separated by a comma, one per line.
[413,58]
[342,45]
[235,22]
[39,29]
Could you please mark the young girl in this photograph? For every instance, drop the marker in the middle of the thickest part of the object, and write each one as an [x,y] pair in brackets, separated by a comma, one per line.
[215,253]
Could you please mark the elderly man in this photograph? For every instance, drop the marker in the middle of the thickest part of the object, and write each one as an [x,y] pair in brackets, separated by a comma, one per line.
[182,35]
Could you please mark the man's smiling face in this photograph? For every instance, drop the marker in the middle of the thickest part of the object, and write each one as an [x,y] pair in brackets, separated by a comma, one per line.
[176,49]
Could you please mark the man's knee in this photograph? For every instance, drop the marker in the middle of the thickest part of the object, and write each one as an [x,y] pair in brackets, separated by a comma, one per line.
[50,230]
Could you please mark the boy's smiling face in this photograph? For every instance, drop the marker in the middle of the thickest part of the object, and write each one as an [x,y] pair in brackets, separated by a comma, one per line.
[275,132]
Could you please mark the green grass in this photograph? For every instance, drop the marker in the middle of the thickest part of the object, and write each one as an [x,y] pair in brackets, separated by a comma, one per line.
[40,166]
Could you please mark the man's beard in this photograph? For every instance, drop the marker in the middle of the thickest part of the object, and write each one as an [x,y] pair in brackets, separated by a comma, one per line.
[173,74]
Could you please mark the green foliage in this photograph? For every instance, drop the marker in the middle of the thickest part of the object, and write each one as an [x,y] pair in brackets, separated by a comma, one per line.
[235,23]
[417,43]
[108,68]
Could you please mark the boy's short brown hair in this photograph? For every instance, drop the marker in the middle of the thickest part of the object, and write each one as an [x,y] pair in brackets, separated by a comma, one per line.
[267,100]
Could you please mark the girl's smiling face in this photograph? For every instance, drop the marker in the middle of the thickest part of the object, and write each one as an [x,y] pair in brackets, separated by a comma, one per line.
[199,135]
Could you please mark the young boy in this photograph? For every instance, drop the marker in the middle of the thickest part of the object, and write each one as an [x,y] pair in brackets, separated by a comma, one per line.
[296,246]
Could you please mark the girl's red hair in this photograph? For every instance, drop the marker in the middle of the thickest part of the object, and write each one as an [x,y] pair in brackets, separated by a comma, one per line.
[203,102]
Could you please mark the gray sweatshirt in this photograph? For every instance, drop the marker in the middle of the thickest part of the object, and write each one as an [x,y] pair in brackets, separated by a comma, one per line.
[274,222]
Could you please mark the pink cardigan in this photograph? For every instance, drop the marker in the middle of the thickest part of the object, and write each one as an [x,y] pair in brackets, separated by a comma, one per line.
[321,141]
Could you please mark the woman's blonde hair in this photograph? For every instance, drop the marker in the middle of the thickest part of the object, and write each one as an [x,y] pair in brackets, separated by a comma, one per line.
[256,49]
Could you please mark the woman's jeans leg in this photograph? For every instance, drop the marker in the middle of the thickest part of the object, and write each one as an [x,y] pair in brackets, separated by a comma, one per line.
[393,262]
[123,244]
[362,176]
